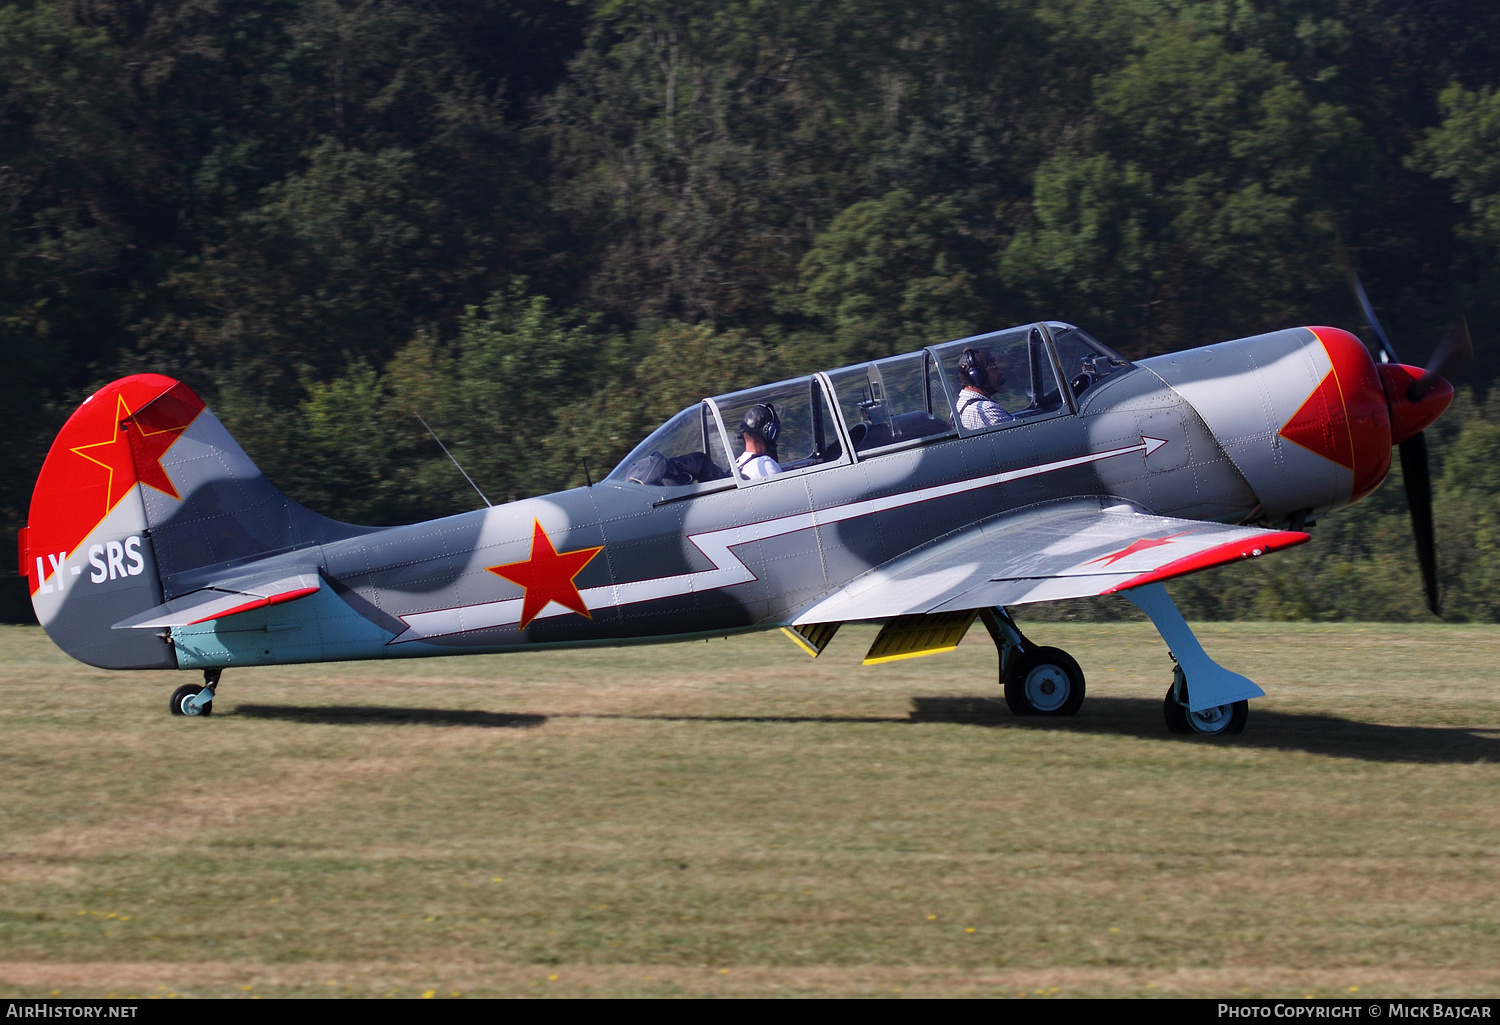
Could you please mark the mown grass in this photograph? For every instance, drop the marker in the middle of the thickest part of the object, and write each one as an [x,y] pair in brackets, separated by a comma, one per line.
[733,818]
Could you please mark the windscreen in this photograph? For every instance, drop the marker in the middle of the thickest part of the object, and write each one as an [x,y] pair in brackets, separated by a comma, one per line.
[1085,360]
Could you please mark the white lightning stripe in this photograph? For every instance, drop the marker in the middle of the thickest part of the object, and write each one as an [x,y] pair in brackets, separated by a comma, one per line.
[717,545]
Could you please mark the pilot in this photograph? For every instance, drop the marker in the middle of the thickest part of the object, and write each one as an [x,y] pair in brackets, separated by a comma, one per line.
[759,429]
[982,376]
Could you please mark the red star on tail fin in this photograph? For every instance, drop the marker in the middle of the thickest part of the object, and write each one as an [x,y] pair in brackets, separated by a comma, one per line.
[137,441]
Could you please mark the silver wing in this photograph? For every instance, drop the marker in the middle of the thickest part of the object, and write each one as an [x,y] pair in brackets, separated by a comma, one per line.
[1070,549]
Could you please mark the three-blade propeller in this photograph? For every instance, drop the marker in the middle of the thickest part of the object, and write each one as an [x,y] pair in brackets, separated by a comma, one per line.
[1453,351]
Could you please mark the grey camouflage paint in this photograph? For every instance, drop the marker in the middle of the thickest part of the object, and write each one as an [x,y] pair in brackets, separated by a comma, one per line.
[1216,410]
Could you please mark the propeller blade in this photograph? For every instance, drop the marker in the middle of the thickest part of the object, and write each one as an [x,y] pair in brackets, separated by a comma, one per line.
[1418,480]
[1387,350]
[1455,350]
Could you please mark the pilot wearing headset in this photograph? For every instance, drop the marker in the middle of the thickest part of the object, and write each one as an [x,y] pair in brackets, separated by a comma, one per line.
[759,429]
[983,377]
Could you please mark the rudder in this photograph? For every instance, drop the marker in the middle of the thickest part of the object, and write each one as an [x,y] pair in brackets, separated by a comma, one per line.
[142,487]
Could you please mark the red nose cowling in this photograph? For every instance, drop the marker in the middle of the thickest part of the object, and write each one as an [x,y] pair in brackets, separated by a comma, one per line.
[1346,418]
[1410,416]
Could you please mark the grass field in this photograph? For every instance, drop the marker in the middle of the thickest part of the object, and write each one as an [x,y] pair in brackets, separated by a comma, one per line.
[733,818]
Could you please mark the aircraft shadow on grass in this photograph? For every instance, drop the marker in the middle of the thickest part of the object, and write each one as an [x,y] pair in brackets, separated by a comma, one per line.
[1315,734]
[1130,717]
[383,715]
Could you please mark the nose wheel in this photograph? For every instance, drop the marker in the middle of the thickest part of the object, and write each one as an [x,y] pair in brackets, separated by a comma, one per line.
[1218,720]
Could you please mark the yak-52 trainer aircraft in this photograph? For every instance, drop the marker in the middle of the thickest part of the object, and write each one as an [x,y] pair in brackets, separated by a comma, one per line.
[925,490]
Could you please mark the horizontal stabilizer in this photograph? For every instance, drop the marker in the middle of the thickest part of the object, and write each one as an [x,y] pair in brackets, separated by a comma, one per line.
[220,601]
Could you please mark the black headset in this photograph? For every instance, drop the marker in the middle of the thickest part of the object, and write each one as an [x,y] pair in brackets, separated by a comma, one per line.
[971,368]
[761,419]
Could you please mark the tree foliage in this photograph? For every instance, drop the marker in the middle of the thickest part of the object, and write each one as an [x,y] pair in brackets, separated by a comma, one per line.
[545,227]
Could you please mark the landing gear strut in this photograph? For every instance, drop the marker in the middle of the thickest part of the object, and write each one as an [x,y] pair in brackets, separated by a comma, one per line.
[1037,680]
[190,699]
[1218,702]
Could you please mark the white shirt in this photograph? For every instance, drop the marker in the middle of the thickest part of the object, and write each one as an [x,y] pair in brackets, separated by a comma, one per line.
[754,467]
[976,412]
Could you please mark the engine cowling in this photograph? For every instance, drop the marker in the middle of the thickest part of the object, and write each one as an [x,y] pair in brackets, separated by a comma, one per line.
[1303,413]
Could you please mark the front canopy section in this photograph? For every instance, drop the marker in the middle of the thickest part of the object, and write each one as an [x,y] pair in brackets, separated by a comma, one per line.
[999,378]
[1022,370]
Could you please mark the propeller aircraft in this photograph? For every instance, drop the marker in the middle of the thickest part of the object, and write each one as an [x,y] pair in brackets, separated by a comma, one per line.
[925,490]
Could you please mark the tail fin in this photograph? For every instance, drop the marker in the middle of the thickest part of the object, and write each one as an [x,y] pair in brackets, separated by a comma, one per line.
[141,486]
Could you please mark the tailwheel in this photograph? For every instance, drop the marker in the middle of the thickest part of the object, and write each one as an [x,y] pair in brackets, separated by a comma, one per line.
[1044,681]
[182,706]
[189,699]
[1220,720]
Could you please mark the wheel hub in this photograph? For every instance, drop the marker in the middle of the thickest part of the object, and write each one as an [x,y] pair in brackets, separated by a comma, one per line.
[1211,720]
[1047,688]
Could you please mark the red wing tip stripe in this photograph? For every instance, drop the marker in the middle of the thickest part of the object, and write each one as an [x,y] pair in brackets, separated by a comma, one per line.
[1216,556]
[259,603]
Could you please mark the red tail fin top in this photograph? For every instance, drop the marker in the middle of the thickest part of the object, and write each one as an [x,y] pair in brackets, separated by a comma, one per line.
[115,440]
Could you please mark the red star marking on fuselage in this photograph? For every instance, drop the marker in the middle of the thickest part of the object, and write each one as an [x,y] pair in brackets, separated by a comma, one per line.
[134,450]
[548,576]
[1135,546]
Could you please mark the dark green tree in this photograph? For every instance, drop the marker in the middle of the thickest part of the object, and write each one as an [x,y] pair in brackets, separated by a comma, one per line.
[1201,201]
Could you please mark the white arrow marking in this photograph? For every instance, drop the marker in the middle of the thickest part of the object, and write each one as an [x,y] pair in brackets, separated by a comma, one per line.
[718,545]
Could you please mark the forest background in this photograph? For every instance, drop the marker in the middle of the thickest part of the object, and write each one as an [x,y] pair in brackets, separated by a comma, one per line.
[547,226]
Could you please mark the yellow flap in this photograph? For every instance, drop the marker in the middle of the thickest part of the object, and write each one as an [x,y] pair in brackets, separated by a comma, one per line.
[912,636]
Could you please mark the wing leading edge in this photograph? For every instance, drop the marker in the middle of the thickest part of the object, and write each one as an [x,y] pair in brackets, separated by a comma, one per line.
[1071,549]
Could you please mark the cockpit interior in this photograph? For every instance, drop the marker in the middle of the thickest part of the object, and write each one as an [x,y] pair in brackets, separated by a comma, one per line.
[868,409]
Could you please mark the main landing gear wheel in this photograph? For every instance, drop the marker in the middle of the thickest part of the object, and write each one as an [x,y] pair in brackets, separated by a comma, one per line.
[180,696]
[1221,720]
[1044,681]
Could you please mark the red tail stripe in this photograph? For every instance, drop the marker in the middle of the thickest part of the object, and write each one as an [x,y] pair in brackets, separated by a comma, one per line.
[259,603]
